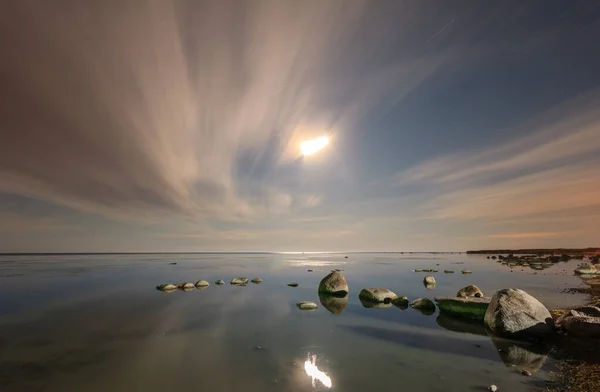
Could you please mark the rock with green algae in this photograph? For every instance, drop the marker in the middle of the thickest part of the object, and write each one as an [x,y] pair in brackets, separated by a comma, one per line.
[471,308]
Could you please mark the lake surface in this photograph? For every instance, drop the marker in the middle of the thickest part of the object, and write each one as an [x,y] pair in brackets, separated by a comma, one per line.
[97,323]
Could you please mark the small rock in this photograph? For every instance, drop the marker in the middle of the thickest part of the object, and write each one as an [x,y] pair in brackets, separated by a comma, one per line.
[173,263]
[166,287]
[220,282]
[401,302]
[185,286]
[239,281]
[466,272]
[306,305]
[256,280]
[526,373]
[493,388]
[310,270]
[293,284]
[377,294]
[448,271]
[429,280]
[202,283]
[470,291]
[416,270]
[422,303]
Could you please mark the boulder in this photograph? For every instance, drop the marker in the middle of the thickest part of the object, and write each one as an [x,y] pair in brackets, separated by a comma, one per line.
[239,281]
[202,283]
[256,280]
[463,307]
[307,305]
[583,322]
[332,303]
[429,280]
[168,287]
[220,282]
[470,291]
[334,283]
[514,313]
[377,294]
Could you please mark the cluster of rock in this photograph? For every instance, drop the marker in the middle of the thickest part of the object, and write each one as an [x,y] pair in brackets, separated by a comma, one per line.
[537,262]
[202,284]
[588,271]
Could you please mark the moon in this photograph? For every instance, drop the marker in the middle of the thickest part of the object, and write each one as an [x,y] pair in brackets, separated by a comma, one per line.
[312,146]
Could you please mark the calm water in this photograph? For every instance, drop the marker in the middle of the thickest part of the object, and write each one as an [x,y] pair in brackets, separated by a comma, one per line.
[97,323]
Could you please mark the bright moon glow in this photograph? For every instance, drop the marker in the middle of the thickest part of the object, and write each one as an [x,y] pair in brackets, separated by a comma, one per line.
[313,371]
[310,147]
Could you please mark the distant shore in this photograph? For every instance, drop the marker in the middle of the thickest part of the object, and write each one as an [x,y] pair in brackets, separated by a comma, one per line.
[536,251]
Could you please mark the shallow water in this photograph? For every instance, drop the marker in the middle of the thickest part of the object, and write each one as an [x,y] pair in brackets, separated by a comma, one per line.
[97,323]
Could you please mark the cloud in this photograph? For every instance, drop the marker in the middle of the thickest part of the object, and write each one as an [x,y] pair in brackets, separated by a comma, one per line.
[128,108]
[553,168]
[530,235]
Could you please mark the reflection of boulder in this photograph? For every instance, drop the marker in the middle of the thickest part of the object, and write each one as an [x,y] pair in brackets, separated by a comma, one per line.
[374,305]
[334,304]
[429,286]
[522,355]
[456,324]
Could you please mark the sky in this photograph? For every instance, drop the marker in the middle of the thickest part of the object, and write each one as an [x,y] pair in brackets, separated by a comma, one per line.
[176,126]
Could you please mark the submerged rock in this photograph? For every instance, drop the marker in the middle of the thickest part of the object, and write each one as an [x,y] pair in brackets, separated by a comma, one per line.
[429,280]
[307,305]
[583,322]
[256,280]
[239,281]
[334,304]
[168,287]
[377,294]
[220,282]
[514,313]
[293,284]
[202,283]
[470,291]
[464,307]
[334,283]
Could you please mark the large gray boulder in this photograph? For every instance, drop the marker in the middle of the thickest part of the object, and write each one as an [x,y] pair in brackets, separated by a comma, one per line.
[463,307]
[583,322]
[334,283]
[470,291]
[514,313]
[377,294]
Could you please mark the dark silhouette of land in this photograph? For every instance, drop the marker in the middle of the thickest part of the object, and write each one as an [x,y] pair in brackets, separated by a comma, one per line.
[537,251]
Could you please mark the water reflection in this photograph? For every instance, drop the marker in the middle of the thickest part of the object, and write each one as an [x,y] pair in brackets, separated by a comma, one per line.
[315,374]
[374,305]
[522,355]
[335,305]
